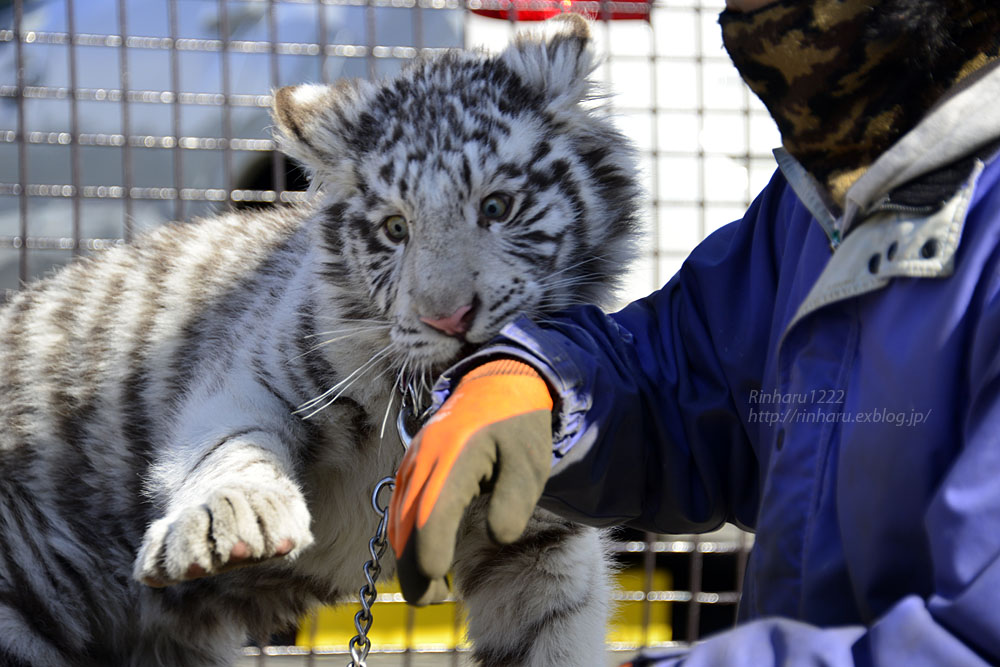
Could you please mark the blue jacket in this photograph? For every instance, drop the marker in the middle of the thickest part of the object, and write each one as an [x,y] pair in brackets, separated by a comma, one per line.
[831,383]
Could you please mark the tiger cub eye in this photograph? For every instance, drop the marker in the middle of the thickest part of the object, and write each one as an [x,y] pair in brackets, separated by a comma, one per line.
[396,228]
[495,207]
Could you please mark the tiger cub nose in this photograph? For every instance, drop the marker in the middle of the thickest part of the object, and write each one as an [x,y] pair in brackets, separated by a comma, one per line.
[455,324]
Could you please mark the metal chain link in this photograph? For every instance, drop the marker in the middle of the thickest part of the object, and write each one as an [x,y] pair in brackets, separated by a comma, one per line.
[360,645]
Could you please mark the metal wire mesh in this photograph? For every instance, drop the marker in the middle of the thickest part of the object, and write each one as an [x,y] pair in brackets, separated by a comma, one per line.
[119,115]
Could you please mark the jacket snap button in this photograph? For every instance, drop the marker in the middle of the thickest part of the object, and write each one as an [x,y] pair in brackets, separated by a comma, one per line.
[929,249]
[890,254]
[873,263]
[779,442]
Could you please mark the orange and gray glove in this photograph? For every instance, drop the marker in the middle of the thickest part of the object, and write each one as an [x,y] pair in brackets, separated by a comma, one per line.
[492,435]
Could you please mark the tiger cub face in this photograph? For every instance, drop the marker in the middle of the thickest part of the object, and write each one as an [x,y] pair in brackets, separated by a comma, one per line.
[467,190]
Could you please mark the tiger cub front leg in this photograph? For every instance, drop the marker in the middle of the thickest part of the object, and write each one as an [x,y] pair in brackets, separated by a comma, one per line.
[540,601]
[238,506]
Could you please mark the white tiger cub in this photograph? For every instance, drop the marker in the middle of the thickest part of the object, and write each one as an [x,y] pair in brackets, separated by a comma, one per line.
[192,424]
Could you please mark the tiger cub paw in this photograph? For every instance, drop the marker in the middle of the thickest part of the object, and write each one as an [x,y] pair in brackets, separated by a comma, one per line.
[237,525]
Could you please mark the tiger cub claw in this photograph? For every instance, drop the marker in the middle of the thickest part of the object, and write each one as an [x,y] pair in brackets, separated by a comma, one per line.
[237,526]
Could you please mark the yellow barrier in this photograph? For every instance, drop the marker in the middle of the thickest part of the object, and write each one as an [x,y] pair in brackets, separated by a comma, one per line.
[442,626]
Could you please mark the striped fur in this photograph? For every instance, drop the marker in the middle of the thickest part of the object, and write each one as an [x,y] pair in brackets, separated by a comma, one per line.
[175,475]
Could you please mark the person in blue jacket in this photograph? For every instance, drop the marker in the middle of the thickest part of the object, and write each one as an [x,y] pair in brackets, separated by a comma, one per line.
[824,372]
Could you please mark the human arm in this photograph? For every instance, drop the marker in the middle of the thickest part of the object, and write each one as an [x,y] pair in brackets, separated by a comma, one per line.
[662,383]
[651,402]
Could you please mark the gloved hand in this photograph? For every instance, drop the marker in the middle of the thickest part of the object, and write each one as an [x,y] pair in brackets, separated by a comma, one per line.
[493,434]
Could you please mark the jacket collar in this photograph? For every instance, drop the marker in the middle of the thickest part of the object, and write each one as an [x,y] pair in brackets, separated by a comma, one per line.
[890,244]
[912,201]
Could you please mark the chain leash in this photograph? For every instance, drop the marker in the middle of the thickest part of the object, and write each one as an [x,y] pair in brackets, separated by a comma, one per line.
[360,645]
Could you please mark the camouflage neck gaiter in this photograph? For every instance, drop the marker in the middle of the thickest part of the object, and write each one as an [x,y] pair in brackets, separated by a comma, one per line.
[844,79]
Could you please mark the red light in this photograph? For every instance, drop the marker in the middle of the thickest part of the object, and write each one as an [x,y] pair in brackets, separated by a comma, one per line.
[539,10]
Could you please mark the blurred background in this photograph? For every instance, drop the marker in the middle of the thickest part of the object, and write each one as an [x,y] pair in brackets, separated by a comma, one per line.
[119,115]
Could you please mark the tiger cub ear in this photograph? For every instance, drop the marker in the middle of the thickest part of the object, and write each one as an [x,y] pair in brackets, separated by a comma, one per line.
[312,122]
[557,61]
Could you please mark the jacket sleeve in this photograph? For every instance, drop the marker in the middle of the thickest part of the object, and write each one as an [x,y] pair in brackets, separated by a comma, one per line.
[957,625]
[906,635]
[651,401]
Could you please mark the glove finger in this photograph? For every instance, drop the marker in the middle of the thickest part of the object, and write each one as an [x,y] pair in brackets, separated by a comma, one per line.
[402,510]
[447,494]
[418,589]
[524,460]
[415,471]
[420,478]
